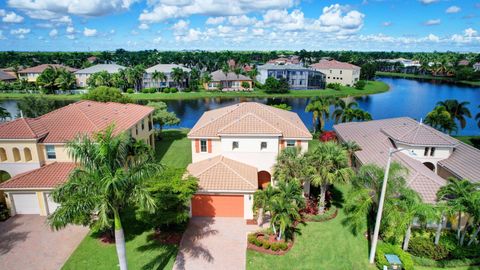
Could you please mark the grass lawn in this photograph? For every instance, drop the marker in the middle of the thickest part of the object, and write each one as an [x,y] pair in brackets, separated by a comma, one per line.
[372,87]
[428,77]
[142,253]
[321,245]
[454,268]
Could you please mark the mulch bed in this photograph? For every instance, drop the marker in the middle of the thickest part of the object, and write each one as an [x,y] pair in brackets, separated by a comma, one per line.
[269,251]
[171,238]
[251,222]
[334,215]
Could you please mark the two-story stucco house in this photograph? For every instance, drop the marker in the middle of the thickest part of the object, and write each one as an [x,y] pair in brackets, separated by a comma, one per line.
[233,152]
[150,82]
[338,72]
[429,155]
[228,81]
[33,152]
[31,74]
[82,75]
[297,76]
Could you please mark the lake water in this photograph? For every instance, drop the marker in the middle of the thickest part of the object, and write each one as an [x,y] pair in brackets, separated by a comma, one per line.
[411,98]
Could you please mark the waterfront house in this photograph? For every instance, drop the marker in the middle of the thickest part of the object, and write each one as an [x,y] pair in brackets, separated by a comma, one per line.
[297,76]
[430,155]
[463,63]
[402,65]
[476,66]
[233,152]
[228,82]
[150,82]
[7,77]
[338,72]
[31,74]
[33,152]
[82,75]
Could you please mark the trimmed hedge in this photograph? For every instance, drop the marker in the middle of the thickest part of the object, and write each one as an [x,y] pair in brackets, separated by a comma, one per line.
[445,263]
[425,248]
[384,248]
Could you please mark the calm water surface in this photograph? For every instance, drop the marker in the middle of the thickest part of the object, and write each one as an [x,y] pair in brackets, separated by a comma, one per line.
[411,98]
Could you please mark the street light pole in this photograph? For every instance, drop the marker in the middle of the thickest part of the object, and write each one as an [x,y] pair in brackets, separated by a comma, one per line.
[376,231]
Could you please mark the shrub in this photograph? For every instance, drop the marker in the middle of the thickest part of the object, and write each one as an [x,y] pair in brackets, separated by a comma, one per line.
[4,213]
[173,90]
[424,247]
[166,90]
[360,85]
[107,94]
[275,246]
[187,90]
[283,246]
[251,238]
[130,91]
[245,85]
[334,86]
[266,244]
[384,248]
[445,263]
[148,90]
[273,85]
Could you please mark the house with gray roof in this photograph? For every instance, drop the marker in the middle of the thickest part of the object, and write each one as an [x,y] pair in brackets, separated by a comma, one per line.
[430,156]
[150,82]
[297,76]
[229,81]
[82,75]
[7,77]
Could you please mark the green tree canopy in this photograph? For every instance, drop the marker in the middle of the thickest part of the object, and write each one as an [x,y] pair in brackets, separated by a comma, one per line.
[107,94]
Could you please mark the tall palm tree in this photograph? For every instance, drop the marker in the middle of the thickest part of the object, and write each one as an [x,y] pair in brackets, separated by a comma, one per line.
[111,175]
[457,110]
[47,78]
[291,166]
[457,194]
[158,76]
[65,80]
[261,200]
[362,198]
[178,76]
[351,147]
[477,117]
[284,207]
[340,107]
[328,164]
[441,119]
[320,107]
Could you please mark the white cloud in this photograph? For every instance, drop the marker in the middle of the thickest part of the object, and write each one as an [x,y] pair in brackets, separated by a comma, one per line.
[44,25]
[337,19]
[215,20]
[89,32]
[387,24]
[20,31]
[12,17]
[432,22]
[62,19]
[143,26]
[157,40]
[470,32]
[53,33]
[281,19]
[453,9]
[258,32]
[75,7]
[70,29]
[427,2]
[191,35]
[70,36]
[241,20]
[164,10]
[181,26]
[433,38]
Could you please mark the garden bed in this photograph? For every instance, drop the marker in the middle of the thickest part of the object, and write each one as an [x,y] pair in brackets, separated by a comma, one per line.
[330,214]
[267,244]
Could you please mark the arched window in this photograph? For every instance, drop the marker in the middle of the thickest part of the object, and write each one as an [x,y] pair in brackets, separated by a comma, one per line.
[27,153]
[3,154]
[16,154]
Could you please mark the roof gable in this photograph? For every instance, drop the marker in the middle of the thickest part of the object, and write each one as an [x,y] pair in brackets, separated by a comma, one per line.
[418,134]
[48,177]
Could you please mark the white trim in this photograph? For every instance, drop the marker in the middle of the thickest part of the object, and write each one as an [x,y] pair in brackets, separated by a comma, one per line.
[250,135]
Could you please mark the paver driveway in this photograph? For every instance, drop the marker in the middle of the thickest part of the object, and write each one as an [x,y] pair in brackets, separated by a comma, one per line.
[26,242]
[214,243]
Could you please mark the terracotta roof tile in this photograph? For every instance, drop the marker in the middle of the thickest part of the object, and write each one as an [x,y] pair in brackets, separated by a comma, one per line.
[418,134]
[274,120]
[48,176]
[464,162]
[333,64]
[222,174]
[22,128]
[41,68]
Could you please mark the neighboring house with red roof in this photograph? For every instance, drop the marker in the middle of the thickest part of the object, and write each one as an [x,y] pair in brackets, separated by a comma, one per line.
[233,152]
[431,156]
[33,152]
[338,72]
[291,60]
[31,74]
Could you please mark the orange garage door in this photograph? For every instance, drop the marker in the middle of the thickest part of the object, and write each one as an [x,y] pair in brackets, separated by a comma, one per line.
[217,206]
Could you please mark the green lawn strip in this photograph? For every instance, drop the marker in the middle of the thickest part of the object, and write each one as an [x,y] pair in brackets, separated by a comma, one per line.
[428,77]
[372,87]
[174,149]
[320,245]
[450,268]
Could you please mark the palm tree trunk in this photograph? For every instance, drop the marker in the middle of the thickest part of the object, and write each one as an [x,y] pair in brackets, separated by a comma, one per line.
[439,229]
[120,241]
[321,200]
[459,224]
[260,217]
[462,239]
[314,123]
[407,237]
[474,236]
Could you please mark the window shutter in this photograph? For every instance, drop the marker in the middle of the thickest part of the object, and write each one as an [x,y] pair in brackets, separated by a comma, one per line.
[209,145]
[197,145]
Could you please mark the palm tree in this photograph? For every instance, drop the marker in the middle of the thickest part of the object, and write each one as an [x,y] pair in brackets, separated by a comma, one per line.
[111,175]
[178,76]
[457,194]
[362,199]
[284,207]
[441,119]
[457,110]
[159,76]
[291,166]
[477,117]
[351,147]
[4,113]
[328,164]
[225,69]
[134,76]
[261,201]
[475,212]
[47,78]
[340,107]
[65,80]
[320,107]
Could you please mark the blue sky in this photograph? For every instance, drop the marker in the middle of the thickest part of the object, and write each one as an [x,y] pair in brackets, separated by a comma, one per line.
[364,25]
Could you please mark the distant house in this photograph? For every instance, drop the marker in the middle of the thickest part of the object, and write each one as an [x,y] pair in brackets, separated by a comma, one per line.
[92,59]
[464,63]
[476,66]
[150,82]
[82,75]
[400,65]
[228,81]
[7,77]
[292,60]
[338,72]
[31,74]
[297,76]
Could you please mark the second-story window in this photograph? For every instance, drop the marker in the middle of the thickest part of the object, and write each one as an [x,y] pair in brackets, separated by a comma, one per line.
[203,145]
[235,145]
[290,143]
[143,124]
[425,152]
[432,151]
[136,129]
[263,145]
[50,149]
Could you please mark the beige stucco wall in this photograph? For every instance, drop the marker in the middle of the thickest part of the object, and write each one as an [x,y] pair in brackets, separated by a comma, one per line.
[343,76]
[82,79]
[30,77]
[417,153]
[13,167]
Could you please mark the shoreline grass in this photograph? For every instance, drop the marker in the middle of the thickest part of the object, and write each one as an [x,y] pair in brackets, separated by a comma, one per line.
[426,77]
[372,87]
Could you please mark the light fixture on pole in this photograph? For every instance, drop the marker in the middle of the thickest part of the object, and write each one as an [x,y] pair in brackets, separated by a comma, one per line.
[376,231]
